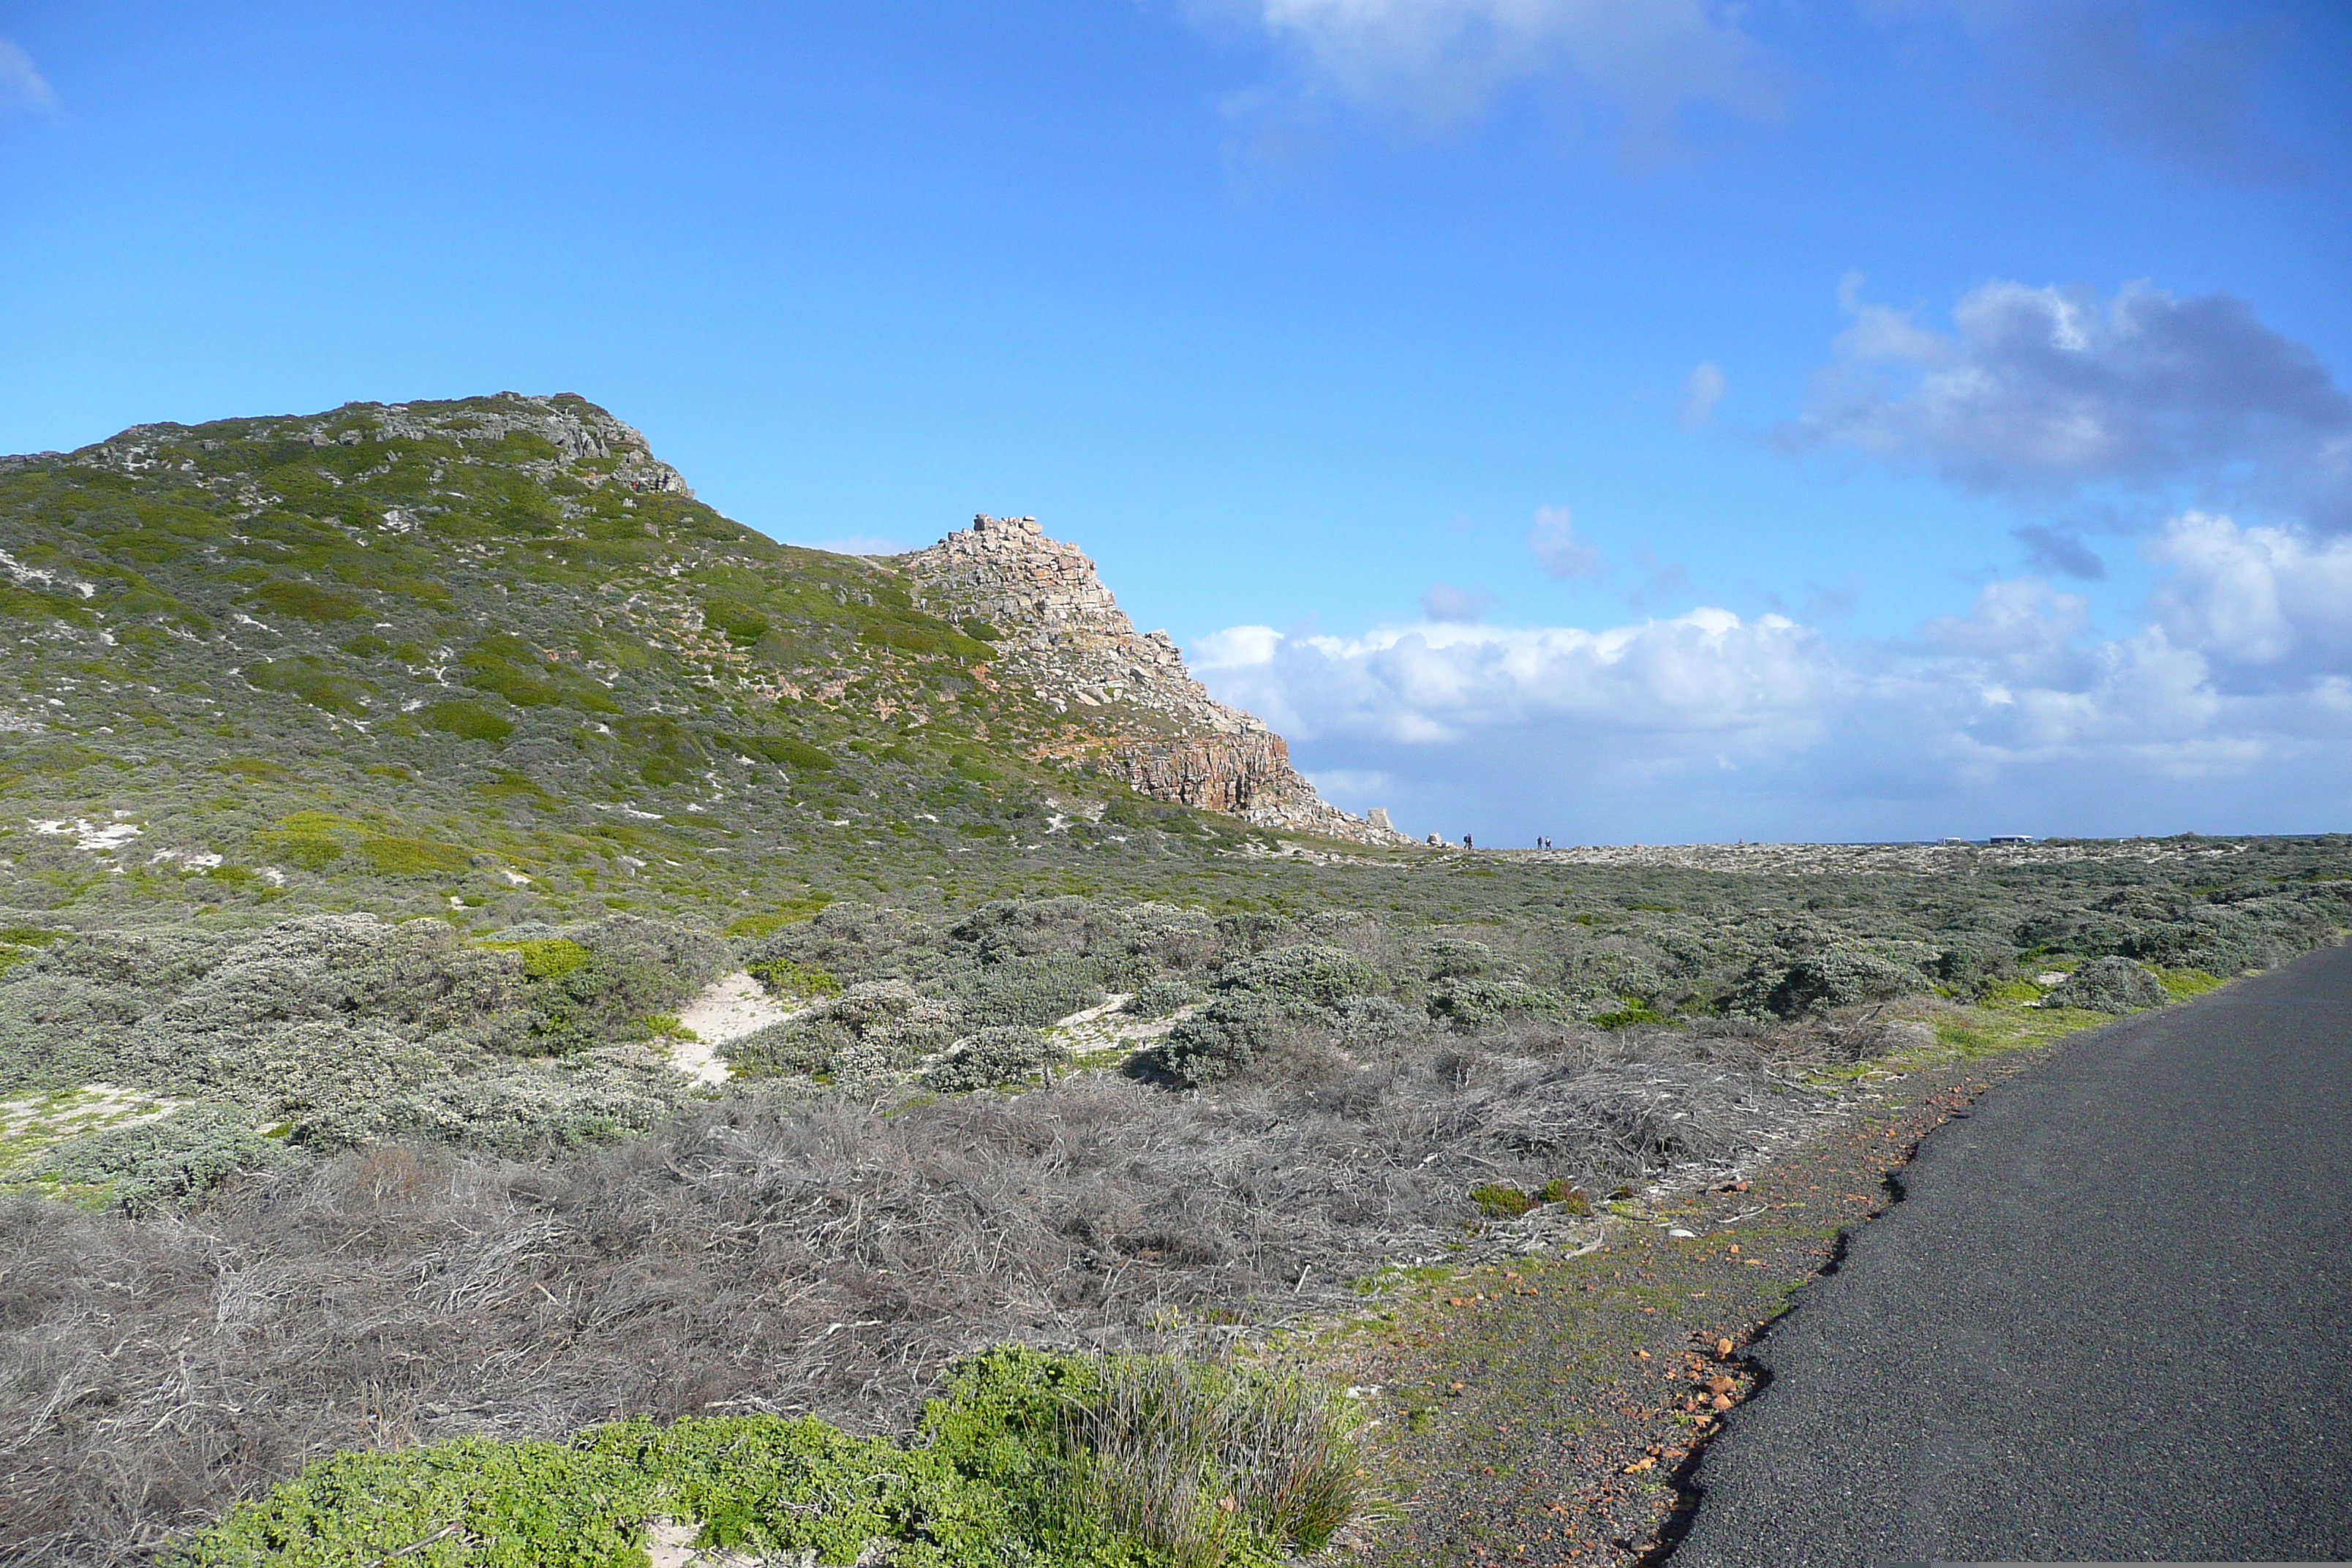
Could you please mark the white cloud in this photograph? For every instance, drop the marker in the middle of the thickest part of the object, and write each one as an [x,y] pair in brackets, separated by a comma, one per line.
[2232,695]
[2020,616]
[2266,596]
[1441,62]
[2050,390]
[1235,647]
[1709,671]
[22,86]
[1558,549]
[1702,390]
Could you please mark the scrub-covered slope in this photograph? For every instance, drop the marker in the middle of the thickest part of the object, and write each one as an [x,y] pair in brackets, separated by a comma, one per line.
[494,652]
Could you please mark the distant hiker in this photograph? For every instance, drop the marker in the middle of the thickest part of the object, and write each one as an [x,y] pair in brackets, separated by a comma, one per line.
[1468,842]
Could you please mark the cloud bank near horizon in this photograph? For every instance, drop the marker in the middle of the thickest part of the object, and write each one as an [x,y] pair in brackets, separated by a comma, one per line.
[2227,703]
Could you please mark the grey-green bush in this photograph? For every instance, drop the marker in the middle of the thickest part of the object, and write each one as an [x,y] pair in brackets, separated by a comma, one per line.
[1158,998]
[1840,977]
[1002,1054]
[1471,1005]
[2108,986]
[179,1156]
[1303,974]
[1217,1042]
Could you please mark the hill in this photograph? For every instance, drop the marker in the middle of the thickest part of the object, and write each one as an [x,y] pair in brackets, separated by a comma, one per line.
[492,655]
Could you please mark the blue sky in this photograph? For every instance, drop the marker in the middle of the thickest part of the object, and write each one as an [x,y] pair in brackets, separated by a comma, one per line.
[1644,420]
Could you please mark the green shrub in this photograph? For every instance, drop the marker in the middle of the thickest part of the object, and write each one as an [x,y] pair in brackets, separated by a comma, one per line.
[783,750]
[1497,1200]
[1574,1199]
[545,958]
[792,911]
[743,624]
[20,604]
[308,678]
[518,686]
[783,977]
[307,601]
[763,1483]
[1152,1461]
[468,720]
[392,857]
[970,765]
[2180,983]
[250,767]
[1029,1458]
[1206,1464]
[905,639]
[310,839]
[636,968]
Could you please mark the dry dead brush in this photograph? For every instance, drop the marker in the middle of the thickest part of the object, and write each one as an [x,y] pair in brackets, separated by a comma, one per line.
[755,1255]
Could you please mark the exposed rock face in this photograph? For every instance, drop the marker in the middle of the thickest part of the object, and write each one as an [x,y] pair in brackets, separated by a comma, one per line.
[1065,636]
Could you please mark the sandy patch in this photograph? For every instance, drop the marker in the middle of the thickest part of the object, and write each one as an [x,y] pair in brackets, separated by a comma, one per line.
[33,1123]
[671,1545]
[1105,1028]
[729,1007]
[97,840]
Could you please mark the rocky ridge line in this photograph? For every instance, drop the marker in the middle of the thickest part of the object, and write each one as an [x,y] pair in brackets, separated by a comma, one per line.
[1063,634]
[583,434]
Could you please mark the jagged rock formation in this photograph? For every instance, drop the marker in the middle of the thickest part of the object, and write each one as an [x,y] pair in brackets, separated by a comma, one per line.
[1065,636]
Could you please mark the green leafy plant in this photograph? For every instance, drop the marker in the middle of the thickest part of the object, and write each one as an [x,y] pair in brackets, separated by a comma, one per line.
[1033,1459]
[1497,1200]
[466,719]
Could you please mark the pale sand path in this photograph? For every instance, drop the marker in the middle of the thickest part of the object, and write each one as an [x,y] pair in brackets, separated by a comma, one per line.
[736,1005]
[729,1007]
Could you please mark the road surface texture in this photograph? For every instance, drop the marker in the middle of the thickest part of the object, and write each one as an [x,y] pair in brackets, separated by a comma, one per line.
[2110,1320]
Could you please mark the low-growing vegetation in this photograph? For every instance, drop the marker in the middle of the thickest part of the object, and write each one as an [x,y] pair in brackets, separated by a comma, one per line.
[1028,1459]
[366,1197]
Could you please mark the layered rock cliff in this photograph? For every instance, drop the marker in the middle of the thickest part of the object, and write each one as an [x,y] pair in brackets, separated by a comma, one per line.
[1063,636]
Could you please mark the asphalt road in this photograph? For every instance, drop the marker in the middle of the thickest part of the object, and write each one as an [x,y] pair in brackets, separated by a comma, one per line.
[2112,1318]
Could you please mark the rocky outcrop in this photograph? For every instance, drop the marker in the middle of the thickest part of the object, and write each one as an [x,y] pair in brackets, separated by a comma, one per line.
[1066,637]
[591,447]
[1238,774]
